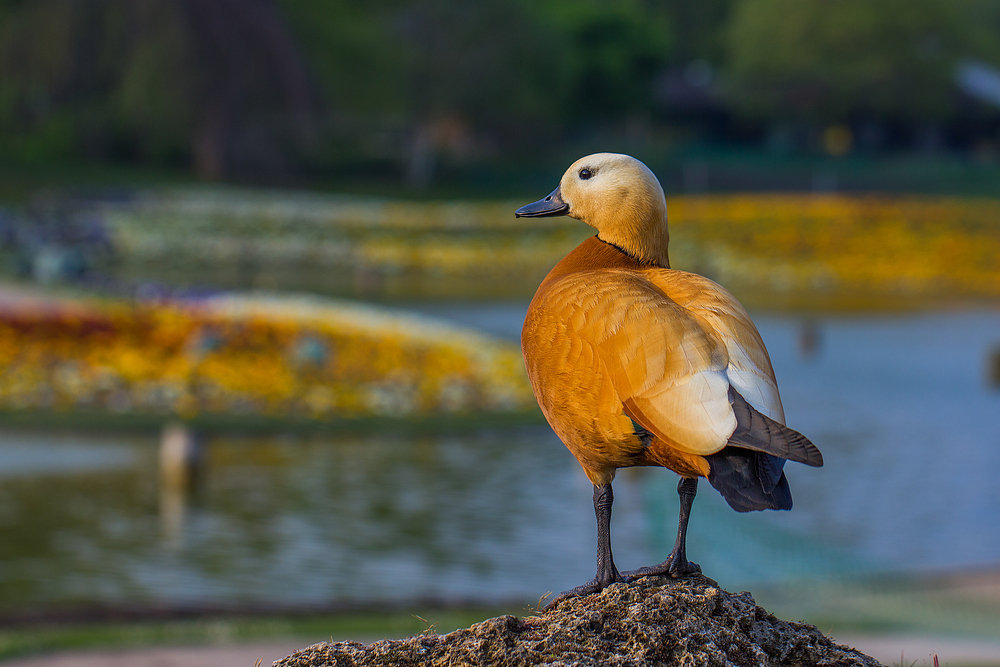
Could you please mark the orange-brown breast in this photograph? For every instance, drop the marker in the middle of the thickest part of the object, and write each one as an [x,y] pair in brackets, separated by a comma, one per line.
[607,341]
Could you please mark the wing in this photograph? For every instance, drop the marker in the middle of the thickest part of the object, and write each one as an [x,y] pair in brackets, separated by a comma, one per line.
[668,372]
[749,369]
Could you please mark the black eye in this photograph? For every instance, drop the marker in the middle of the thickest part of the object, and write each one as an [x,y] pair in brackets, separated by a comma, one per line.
[585,173]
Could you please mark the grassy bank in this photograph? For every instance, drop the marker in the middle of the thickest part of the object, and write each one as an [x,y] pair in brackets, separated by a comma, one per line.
[25,638]
[717,169]
[103,422]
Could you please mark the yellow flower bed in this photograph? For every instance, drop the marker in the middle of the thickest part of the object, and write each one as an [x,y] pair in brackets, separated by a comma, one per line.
[768,243]
[904,245]
[264,356]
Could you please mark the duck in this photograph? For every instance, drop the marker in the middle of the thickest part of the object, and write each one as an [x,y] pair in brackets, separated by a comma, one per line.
[634,363]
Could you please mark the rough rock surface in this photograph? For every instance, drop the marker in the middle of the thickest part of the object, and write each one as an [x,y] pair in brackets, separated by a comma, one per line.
[653,621]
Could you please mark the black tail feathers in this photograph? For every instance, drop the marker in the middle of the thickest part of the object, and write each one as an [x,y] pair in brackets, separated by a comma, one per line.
[748,470]
[750,480]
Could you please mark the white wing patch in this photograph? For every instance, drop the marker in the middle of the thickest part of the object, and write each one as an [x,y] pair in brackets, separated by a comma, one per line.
[753,383]
[693,412]
[749,368]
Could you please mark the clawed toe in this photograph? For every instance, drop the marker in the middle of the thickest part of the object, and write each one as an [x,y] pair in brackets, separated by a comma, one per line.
[676,568]
[685,569]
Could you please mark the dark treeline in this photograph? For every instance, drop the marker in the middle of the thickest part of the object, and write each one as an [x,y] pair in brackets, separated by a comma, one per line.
[277,90]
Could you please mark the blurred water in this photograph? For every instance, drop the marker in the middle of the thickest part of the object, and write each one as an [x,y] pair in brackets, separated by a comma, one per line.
[910,426]
[902,408]
[899,405]
[305,520]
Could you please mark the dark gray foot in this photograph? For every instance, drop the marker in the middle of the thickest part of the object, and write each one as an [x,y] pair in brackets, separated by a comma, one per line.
[676,568]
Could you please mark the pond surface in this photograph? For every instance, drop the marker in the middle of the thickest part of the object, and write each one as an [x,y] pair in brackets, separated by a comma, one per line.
[900,405]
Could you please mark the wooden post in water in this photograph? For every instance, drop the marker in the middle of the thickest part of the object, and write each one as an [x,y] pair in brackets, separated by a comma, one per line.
[180,467]
[993,367]
[809,338]
[180,456]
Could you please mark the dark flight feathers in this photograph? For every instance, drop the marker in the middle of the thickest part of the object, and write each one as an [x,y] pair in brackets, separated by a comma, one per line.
[748,470]
[761,433]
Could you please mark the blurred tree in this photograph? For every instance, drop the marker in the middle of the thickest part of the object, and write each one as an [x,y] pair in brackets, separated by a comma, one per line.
[221,85]
[470,67]
[440,72]
[614,50]
[698,29]
[454,75]
[824,61]
[217,84]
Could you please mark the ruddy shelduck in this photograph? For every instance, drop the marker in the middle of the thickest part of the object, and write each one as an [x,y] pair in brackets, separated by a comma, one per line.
[637,364]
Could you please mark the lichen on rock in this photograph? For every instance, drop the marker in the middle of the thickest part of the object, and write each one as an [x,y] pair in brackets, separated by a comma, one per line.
[653,621]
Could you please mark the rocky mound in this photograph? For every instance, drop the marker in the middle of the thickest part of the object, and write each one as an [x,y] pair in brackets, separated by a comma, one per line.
[654,621]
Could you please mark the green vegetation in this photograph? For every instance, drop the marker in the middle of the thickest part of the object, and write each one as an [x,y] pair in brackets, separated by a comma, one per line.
[520,181]
[151,83]
[893,59]
[916,606]
[291,91]
[23,639]
[298,85]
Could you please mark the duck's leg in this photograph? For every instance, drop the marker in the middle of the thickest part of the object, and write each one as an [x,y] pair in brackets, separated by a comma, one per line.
[607,573]
[677,565]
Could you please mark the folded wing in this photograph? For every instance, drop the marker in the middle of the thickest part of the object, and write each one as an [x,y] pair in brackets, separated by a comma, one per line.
[668,371]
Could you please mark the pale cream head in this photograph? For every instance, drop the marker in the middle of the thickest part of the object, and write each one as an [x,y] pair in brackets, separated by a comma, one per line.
[621,198]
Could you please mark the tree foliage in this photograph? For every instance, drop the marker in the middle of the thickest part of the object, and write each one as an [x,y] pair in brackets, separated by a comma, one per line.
[611,53]
[820,60]
[219,84]
[251,88]
[230,85]
[498,63]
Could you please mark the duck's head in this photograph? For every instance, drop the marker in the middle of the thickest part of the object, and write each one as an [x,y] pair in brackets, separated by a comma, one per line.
[619,197]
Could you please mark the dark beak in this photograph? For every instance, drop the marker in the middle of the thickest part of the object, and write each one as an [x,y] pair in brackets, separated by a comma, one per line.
[543,208]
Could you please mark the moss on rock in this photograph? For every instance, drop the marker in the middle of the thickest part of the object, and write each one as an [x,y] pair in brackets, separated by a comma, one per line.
[653,621]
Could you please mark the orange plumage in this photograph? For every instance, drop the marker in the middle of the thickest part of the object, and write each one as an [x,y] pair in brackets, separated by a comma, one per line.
[636,364]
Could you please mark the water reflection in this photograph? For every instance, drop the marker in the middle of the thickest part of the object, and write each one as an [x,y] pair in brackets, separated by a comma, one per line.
[301,520]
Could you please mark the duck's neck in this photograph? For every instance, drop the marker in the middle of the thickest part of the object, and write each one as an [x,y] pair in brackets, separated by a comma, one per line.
[643,256]
[639,229]
[595,253]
